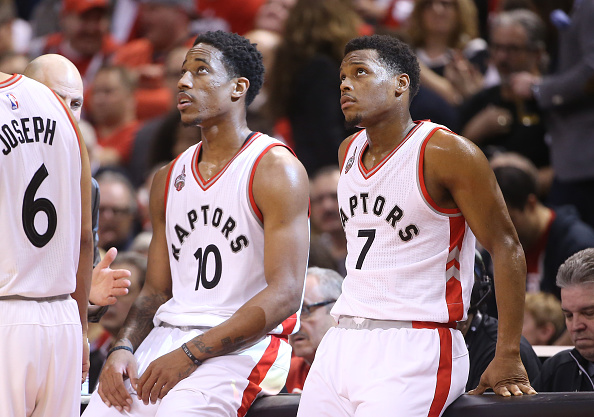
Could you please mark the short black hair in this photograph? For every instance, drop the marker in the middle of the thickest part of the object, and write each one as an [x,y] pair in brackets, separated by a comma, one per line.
[240,57]
[516,185]
[397,55]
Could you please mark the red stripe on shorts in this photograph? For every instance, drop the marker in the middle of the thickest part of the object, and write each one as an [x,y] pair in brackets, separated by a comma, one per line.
[258,374]
[444,373]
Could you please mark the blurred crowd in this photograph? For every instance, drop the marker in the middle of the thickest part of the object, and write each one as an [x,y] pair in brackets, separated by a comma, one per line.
[516,77]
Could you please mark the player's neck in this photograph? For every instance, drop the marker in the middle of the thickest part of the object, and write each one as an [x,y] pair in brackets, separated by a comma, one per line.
[4,77]
[386,136]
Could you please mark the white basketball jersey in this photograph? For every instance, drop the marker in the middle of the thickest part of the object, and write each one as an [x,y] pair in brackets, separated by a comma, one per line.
[215,237]
[408,259]
[40,197]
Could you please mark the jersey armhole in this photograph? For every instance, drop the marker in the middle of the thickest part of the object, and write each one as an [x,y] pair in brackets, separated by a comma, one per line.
[167,182]
[421,179]
[253,204]
[346,152]
[72,121]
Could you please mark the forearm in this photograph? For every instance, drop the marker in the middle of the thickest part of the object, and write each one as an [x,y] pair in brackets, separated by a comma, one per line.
[510,288]
[248,325]
[139,321]
[83,279]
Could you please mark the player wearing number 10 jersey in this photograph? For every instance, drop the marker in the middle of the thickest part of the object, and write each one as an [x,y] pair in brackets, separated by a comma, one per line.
[227,260]
[45,252]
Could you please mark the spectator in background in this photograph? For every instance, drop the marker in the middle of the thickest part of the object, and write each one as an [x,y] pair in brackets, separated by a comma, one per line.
[236,16]
[163,26]
[573,370]
[15,33]
[273,14]
[444,34]
[327,231]
[117,211]
[480,331]
[322,289]
[84,37]
[496,118]
[548,235]
[144,140]
[304,83]
[113,114]
[543,319]
[567,98]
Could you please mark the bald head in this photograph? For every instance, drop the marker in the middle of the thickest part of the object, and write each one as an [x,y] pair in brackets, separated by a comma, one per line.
[59,74]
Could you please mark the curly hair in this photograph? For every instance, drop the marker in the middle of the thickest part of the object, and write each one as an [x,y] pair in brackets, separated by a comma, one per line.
[398,57]
[314,27]
[465,30]
[240,58]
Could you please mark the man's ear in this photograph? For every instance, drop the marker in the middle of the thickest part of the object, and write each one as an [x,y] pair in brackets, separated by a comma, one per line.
[240,88]
[402,83]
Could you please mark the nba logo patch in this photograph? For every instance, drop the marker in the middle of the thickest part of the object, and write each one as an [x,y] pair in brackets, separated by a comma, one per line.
[13,101]
[180,180]
[350,162]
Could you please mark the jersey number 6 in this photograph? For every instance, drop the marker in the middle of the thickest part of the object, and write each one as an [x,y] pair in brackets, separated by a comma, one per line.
[31,207]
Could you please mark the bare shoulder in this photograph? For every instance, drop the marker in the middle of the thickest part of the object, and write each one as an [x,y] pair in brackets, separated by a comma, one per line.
[280,176]
[448,152]
[158,187]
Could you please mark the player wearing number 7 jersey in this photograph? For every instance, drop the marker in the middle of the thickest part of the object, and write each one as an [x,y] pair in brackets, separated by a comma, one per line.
[412,197]
[227,260]
[45,252]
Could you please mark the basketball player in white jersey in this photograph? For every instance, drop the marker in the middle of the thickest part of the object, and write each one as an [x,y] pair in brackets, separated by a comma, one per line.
[46,247]
[412,196]
[227,260]
[63,78]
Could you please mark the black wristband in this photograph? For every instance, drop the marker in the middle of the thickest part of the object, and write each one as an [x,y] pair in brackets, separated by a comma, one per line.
[113,349]
[193,358]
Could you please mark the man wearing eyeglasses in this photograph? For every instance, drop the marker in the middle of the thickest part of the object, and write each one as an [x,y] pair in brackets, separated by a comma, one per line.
[496,118]
[322,288]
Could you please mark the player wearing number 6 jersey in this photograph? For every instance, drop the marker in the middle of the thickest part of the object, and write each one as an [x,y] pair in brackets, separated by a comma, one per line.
[412,197]
[227,260]
[45,252]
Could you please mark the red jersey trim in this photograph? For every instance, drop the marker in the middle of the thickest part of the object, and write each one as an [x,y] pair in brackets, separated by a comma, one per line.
[258,374]
[369,173]
[421,176]
[72,122]
[346,152]
[167,182]
[255,208]
[205,185]
[444,373]
[454,300]
[13,79]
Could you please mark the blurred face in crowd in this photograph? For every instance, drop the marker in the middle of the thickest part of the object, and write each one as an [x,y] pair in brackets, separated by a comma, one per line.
[273,14]
[510,51]
[158,21]
[324,203]
[116,214]
[109,98]
[313,325]
[577,302]
[440,16]
[114,317]
[85,31]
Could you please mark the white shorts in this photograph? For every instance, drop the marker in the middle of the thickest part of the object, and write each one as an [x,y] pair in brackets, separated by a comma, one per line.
[40,358]
[222,386]
[385,372]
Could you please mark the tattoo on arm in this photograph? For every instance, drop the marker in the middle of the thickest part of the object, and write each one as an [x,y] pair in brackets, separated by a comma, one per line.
[140,318]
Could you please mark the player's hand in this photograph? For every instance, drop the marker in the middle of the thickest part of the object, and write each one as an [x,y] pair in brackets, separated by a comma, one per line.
[107,283]
[506,376]
[111,381]
[163,374]
[86,362]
